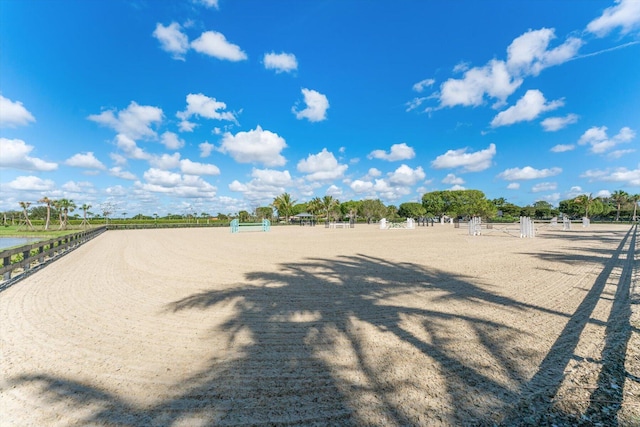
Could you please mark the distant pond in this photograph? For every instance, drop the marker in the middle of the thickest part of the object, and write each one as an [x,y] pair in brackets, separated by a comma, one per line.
[9,242]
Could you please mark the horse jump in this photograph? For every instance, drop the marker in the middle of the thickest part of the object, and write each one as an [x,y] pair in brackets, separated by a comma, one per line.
[237,226]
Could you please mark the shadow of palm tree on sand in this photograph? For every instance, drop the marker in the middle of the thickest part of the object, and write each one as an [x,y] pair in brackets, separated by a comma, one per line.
[335,342]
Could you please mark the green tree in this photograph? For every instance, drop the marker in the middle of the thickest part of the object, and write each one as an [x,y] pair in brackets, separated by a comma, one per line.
[435,203]
[284,205]
[264,212]
[329,206]
[350,209]
[474,203]
[584,201]
[244,216]
[372,210]
[411,210]
[619,197]
[314,206]
[298,208]
[392,212]
[542,209]
[455,203]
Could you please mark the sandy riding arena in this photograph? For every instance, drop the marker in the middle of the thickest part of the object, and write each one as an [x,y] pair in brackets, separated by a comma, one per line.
[320,326]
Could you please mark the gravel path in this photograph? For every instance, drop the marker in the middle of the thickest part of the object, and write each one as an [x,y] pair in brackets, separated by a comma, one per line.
[315,326]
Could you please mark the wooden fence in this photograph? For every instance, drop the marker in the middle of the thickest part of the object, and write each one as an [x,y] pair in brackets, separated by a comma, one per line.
[39,253]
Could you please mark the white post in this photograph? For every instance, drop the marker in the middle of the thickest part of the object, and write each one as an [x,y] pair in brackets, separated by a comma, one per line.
[475,227]
[527,227]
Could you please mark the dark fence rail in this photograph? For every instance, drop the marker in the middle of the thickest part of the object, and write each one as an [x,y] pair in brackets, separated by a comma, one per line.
[38,253]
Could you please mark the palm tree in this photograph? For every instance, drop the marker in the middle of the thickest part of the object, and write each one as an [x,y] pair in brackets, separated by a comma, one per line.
[619,197]
[58,207]
[25,206]
[66,206]
[328,204]
[85,207]
[284,205]
[314,205]
[584,200]
[47,201]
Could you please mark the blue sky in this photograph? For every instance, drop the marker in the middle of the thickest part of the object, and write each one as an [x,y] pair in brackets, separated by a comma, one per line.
[219,106]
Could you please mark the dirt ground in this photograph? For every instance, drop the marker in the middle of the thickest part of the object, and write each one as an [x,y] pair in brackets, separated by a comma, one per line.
[317,326]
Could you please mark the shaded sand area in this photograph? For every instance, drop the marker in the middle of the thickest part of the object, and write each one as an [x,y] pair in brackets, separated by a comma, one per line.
[315,326]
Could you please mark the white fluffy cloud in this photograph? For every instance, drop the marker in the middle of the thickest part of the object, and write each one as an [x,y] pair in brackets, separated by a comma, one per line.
[396,185]
[359,186]
[404,176]
[398,152]
[530,106]
[452,180]
[552,124]
[280,62]
[321,167]
[171,141]
[600,142]
[31,183]
[625,14]
[199,105]
[195,168]
[527,172]
[130,148]
[175,184]
[374,173]
[134,122]
[334,191]
[528,54]
[75,189]
[470,162]
[165,161]
[544,186]
[265,185]
[620,175]
[14,114]
[617,154]
[317,105]
[15,154]
[215,44]
[206,149]
[172,39]
[85,161]
[118,172]
[492,80]
[261,146]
